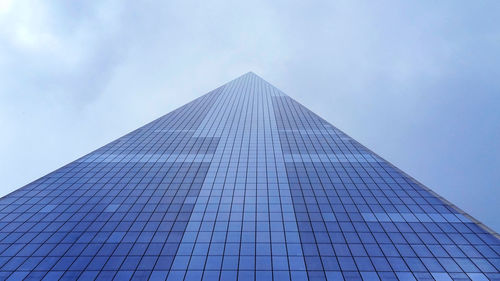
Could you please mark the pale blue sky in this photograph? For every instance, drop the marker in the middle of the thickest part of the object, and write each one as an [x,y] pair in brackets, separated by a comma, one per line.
[418,83]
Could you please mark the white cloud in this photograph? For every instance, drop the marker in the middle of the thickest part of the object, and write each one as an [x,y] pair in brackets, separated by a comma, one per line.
[77,74]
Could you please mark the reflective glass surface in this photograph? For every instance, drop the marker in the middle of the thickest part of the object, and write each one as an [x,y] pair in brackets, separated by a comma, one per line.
[243,183]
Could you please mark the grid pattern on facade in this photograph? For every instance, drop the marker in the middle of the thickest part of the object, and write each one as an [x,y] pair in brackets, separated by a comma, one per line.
[243,183]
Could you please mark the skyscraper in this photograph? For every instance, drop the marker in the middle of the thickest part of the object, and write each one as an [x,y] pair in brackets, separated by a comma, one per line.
[243,183]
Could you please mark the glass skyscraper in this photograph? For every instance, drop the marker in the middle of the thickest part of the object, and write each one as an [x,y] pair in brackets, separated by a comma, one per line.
[243,183]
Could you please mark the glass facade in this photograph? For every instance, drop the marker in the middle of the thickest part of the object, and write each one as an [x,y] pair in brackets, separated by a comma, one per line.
[243,183]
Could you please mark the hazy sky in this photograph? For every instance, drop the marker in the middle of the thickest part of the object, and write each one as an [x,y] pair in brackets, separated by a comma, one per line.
[418,83]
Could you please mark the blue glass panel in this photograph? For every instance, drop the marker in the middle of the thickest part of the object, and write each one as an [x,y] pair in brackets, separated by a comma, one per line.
[243,183]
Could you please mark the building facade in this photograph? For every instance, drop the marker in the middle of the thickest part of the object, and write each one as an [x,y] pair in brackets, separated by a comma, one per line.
[243,183]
